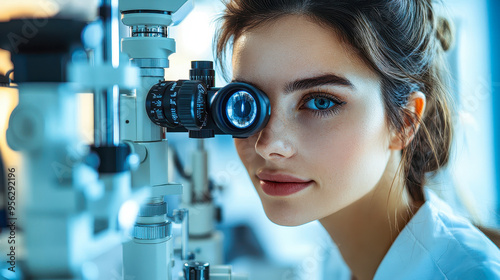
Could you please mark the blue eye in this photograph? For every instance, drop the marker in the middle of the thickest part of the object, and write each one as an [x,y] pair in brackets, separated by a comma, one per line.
[320,103]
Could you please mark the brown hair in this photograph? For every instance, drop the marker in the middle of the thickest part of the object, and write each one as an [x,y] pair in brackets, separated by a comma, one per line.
[402,40]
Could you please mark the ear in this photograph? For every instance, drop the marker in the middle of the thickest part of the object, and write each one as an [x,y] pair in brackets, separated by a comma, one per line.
[416,105]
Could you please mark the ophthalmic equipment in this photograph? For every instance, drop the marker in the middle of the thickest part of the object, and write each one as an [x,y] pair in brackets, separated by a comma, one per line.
[82,201]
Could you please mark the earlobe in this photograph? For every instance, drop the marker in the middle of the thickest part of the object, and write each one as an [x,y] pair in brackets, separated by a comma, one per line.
[415,109]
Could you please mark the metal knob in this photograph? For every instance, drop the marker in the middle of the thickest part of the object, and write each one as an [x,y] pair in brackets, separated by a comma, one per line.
[153,209]
[194,270]
[152,231]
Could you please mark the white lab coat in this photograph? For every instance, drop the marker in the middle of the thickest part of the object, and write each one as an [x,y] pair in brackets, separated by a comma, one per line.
[437,244]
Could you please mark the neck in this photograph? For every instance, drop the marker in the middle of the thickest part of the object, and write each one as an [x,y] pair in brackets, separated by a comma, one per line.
[365,230]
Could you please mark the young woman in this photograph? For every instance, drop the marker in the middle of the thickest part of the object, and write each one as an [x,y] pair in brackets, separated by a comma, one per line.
[359,118]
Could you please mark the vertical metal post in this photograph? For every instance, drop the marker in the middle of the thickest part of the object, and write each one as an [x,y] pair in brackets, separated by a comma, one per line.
[106,102]
[185,234]
[181,216]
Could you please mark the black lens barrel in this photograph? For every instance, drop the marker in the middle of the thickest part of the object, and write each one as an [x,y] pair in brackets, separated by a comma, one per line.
[238,109]
[180,103]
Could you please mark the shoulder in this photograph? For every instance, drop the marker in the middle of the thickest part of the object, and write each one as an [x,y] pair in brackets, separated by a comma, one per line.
[436,243]
[459,248]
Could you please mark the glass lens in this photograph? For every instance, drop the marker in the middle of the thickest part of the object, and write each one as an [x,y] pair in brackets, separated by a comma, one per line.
[241,109]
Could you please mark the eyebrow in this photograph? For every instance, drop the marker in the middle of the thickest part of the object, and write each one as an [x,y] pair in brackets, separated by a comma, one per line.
[323,80]
[317,81]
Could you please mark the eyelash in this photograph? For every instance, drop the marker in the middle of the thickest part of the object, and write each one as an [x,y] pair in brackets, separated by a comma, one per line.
[326,112]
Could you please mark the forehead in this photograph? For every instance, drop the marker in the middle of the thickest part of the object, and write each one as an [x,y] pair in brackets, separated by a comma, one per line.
[293,47]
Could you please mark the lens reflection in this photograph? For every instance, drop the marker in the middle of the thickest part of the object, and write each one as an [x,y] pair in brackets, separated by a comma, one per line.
[241,109]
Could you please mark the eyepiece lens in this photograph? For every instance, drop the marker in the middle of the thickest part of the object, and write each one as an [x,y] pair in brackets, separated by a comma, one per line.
[241,109]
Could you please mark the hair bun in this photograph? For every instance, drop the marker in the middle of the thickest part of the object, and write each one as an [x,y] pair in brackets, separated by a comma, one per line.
[444,33]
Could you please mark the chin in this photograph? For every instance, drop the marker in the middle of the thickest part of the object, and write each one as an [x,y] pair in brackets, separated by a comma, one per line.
[282,214]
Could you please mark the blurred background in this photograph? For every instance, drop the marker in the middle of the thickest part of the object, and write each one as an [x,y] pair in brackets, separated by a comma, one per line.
[470,183]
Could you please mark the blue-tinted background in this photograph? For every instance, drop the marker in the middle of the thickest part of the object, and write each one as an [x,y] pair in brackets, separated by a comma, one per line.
[267,251]
[494,22]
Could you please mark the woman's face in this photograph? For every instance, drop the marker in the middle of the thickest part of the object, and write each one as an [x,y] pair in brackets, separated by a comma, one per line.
[327,142]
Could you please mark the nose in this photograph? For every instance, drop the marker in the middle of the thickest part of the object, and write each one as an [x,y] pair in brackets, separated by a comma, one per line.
[275,142]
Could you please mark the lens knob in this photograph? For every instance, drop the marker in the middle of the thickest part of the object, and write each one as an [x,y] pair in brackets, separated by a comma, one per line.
[192,105]
[161,103]
[203,71]
[178,103]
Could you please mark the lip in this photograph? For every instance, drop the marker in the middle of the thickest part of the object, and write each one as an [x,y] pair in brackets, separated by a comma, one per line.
[280,184]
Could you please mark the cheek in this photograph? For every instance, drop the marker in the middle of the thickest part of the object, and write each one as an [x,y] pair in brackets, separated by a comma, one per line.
[246,151]
[351,151]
